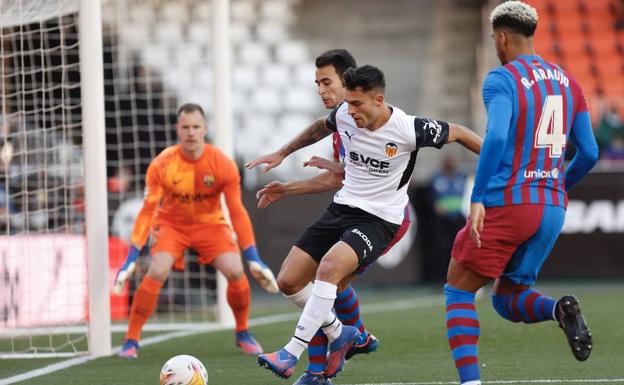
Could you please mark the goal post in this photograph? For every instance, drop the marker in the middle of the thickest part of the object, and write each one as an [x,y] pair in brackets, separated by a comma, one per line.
[96,207]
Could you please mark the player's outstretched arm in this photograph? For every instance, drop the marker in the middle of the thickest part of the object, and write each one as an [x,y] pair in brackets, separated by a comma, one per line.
[312,134]
[277,190]
[326,164]
[465,137]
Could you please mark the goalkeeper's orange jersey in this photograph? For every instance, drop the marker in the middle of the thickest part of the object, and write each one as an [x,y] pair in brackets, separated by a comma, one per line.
[183,192]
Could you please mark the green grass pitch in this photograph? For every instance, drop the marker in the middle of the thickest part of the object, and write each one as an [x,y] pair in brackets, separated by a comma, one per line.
[413,346]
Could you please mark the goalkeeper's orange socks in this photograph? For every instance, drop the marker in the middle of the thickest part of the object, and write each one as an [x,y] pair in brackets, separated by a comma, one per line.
[239,299]
[143,306]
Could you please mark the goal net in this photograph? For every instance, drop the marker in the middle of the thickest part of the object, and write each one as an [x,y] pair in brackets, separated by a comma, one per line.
[44,266]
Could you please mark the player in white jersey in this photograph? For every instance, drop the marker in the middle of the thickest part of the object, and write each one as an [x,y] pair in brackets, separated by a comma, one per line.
[381,143]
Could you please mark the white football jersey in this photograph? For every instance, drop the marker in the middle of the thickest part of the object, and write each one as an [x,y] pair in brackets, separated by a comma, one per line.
[379,164]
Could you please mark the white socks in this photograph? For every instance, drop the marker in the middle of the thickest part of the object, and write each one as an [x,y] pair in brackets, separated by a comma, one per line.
[317,312]
[300,298]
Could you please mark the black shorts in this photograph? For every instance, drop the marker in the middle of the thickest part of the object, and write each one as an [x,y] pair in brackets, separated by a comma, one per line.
[367,234]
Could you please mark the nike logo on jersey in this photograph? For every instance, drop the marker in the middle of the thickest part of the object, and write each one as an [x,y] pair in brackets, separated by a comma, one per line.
[177,181]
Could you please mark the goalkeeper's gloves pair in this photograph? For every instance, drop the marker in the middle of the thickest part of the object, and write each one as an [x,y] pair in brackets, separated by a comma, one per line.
[126,270]
[259,270]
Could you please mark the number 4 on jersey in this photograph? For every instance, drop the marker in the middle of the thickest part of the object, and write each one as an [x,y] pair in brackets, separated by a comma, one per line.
[550,129]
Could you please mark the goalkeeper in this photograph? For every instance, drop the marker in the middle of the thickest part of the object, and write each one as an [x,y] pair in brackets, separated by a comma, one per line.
[182,208]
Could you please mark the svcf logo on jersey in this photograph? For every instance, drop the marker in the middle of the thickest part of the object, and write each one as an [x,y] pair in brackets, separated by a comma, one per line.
[391,149]
[208,180]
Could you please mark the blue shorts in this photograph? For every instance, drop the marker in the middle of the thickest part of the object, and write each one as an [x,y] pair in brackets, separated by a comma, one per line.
[526,263]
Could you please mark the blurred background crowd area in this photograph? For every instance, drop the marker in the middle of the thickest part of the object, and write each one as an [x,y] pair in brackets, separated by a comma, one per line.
[157,55]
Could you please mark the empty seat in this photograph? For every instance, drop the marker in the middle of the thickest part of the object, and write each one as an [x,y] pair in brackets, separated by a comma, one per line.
[203,77]
[244,11]
[304,73]
[293,51]
[265,100]
[188,55]
[199,33]
[168,32]
[272,32]
[254,53]
[277,11]
[302,99]
[135,34]
[155,55]
[174,12]
[244,77]
[240,33]
[142,13]
[276,75]
[201,11]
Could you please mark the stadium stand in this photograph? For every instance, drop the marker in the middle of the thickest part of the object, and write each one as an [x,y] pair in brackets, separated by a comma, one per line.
[586,37]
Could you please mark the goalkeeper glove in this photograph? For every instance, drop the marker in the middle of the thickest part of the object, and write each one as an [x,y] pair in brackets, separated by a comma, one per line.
[259,270]
[126,270]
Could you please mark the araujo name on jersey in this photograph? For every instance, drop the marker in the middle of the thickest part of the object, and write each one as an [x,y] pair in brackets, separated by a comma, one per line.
[367,160]
[541,74]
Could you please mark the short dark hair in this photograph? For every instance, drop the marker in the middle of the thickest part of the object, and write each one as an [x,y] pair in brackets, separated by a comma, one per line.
[191,107]
[340,58]
[367,77]
[515,15]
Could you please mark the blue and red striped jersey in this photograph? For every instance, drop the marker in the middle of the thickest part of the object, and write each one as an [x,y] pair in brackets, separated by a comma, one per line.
[544,101]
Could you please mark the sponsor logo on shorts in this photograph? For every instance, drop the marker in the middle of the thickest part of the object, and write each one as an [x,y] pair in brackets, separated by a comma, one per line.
[364,238]
[542,174]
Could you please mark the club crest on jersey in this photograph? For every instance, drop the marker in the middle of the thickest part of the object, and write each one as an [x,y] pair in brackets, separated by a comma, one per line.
[208,180]
[391,149]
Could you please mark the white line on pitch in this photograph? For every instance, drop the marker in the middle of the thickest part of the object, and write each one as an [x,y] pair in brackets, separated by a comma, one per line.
[372,308]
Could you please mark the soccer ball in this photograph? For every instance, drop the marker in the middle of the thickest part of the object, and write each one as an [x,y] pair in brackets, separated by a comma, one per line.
[183,370]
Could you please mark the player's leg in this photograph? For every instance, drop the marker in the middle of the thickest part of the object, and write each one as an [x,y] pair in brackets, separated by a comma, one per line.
[515,300]
[145,300]
[295,282]
[220,250]
[167,248]
[347,307]
[238,294]
[505,229]
[362,243]
[347,304]
[462,321]
[316,313]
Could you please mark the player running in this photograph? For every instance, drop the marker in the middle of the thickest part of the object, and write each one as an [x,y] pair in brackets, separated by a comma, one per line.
[182,208]
[380,142]
[296,275]
[520,192]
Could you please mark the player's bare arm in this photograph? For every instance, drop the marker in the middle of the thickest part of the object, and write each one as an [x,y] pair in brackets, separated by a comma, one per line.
[312,134]
[277,190]
[465,137]
[326,164]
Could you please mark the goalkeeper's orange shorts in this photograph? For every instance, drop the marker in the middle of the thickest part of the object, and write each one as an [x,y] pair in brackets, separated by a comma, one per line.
[208,240]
